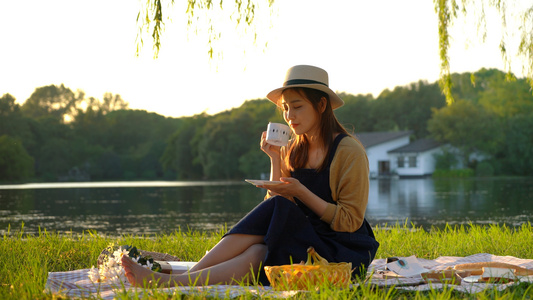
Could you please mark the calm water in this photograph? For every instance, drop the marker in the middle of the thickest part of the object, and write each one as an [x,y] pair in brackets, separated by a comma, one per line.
[162,207]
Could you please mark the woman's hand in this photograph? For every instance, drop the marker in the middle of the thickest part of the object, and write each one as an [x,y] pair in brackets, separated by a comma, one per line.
[272,151]
[290,188]
[293,188]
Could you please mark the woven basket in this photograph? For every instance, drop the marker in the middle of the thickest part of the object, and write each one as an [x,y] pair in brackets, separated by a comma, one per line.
[155,255]
[309,276]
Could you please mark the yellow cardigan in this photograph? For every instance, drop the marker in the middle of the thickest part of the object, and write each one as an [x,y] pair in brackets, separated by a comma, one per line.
[349,182]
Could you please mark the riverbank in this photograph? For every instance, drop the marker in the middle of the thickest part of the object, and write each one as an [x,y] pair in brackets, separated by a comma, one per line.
[27,259]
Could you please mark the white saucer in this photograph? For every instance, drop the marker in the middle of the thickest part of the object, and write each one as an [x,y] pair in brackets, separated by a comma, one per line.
[262,182]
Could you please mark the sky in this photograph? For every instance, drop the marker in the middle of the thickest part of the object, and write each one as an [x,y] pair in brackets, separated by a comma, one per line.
[365,46]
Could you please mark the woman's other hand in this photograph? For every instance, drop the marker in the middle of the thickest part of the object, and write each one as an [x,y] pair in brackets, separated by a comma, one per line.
[272,151]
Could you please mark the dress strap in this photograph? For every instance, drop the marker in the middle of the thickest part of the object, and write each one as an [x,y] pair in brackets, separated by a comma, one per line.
[335,145]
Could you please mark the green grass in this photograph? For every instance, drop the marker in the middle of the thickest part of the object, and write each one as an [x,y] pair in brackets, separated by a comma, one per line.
[25,260]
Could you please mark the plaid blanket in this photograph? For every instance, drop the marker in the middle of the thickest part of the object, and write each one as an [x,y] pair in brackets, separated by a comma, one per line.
[442,263]
[76,283]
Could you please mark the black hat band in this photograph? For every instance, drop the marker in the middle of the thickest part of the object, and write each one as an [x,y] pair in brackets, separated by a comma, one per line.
[302,81]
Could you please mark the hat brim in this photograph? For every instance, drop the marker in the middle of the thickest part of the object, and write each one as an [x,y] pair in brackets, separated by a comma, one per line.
[335,100]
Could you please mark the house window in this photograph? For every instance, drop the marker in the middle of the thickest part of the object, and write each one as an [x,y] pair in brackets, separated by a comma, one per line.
[401,161]
[412,161]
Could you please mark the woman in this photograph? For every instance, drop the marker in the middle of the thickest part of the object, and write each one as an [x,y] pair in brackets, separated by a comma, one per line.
[321,201]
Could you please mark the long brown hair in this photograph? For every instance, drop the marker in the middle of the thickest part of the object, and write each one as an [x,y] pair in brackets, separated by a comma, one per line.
[298,150]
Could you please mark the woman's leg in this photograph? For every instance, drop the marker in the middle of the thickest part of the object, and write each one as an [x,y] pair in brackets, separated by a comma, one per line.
[228,247]
[235,269]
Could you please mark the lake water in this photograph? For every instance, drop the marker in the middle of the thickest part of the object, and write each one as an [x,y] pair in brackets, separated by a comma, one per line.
[161,207]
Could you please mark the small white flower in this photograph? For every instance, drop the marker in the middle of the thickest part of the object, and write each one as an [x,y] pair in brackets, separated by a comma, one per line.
[94,275]
[120,252]
[112,262]
[105,273]
[111,270]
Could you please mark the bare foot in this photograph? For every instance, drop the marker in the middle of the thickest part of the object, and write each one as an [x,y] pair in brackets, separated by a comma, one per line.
[139,276]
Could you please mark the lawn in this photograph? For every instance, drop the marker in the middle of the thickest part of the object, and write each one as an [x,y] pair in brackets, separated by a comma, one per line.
[27,259]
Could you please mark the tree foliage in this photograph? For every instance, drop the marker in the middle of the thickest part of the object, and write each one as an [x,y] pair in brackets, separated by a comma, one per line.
[54,101]
[231,138]
[15,162]
[493,117]
[182,149]
[60,133]
[106,142]
[12,122]
[518,147]
[449,11]
[468,127]
[404,108]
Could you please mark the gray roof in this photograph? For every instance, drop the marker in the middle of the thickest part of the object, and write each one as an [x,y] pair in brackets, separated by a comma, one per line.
[420,145]
[369,139]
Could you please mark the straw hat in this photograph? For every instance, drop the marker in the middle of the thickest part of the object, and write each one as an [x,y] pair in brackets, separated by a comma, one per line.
[307,77]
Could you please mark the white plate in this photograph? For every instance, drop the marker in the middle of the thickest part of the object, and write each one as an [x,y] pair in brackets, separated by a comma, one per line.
[262,182]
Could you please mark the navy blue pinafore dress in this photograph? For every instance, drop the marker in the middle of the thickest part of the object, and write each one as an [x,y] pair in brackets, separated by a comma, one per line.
[290,228]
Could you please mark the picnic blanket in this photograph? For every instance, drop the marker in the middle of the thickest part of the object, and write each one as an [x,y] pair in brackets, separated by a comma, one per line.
[443,263]
[77,284]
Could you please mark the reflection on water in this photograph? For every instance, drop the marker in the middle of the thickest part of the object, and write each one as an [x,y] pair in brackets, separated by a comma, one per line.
[162,207]
[121,210]
[428,202]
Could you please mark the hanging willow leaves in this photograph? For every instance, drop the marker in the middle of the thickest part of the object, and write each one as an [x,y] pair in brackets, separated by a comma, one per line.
[205,14]
[450,10]
[201,14]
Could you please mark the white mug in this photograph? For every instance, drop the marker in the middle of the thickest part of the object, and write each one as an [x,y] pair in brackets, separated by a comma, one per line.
[278,134]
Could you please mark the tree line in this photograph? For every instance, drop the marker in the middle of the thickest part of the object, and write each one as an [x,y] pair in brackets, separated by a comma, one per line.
[61,135]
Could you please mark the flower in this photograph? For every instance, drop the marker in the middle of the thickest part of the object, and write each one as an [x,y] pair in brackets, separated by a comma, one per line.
[94,274]
[120,252]
[111,262]
[111,270]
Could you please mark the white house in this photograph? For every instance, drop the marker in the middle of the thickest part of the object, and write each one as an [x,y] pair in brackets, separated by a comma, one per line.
[416,158]
[377,145]
[392,153]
